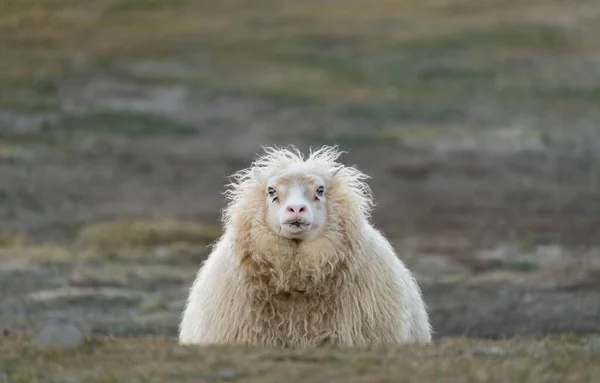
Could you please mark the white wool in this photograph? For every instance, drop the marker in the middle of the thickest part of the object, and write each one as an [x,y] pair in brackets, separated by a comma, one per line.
[346,287]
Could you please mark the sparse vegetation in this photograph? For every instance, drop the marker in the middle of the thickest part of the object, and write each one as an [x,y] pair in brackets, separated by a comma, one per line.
[266,50]
[477,119]
[12,241]
[562,359]
[127,234]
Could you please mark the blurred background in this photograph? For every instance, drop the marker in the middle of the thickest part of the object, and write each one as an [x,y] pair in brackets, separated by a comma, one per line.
[478,120]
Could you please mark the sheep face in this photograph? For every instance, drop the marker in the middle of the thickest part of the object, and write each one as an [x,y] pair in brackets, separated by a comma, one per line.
[296,205]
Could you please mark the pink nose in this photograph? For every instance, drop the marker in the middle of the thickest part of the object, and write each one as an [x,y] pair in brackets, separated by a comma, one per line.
[296,208]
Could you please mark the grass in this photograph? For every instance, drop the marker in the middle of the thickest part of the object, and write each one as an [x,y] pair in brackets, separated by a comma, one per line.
[404,70]
[551,359]
[19,248]
[590,95]
[386,68]
[315,52]
[97,125]
[411,112]
[162,240]
[8,241]
[117,235]
[37,253]
[29,94]
[364,138]
[126,123]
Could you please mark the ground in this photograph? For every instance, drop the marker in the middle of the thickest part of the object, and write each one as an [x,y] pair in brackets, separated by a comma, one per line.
[120,121]
[553,359]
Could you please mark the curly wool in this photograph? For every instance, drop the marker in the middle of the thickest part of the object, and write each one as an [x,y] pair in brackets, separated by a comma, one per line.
[346,288]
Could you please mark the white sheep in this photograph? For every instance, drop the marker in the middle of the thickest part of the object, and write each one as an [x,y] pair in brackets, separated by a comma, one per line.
[300,265]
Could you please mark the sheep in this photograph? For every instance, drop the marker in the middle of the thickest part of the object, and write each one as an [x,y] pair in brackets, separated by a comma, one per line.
[300,265]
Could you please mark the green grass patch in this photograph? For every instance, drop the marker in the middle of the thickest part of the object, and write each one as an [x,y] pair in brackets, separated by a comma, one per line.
[586,95]
[121,7]
[458,81]
[515,265]
[531,36]
[124,123]
[98,125]
[404,111]
[29,95]
[454,74]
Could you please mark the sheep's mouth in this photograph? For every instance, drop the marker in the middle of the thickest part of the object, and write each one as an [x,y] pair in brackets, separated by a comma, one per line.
[297,225]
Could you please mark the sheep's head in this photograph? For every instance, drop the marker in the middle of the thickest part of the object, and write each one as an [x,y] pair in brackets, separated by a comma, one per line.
[296,202]
[295,198]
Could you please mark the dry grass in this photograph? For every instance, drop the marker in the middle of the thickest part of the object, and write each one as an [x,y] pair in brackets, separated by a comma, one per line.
[37,253]
[8,241]
[415,69]
[552,359]
[18,248]
[392,51]
[127,234]
[163,238]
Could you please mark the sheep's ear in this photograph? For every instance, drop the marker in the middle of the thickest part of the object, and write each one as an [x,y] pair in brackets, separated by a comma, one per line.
[330,175]
[257,173]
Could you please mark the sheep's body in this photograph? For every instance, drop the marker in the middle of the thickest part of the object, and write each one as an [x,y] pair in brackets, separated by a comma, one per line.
[344,288]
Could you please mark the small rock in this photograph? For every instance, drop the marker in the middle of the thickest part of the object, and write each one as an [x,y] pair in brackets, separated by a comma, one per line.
[228,374]
[58,333]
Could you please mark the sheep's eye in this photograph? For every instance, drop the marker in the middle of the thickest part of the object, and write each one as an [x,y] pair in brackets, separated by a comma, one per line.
[271,192]
[320,191]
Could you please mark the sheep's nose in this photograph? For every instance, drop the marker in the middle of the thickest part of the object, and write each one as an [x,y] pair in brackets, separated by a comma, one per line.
[296,208]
